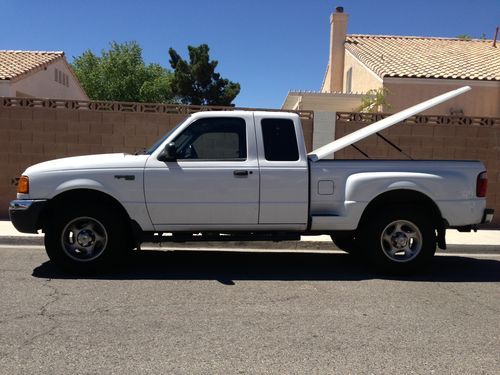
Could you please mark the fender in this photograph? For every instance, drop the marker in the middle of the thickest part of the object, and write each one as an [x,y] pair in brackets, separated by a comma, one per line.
[364,187]
[135,210]
[453,199]
[81,183]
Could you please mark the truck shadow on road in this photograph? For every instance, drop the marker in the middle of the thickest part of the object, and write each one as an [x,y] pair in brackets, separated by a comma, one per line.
[228,267]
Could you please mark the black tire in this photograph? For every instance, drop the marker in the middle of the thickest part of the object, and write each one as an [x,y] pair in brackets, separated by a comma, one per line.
[86,240]
[346,242]
[400,239]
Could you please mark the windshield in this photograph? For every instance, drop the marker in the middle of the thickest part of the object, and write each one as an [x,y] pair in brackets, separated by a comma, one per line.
[150,150]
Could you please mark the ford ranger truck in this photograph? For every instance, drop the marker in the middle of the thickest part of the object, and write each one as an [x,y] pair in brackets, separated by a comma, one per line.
[233,175]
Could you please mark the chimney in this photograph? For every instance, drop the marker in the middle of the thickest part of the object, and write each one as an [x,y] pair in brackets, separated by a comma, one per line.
[338,31]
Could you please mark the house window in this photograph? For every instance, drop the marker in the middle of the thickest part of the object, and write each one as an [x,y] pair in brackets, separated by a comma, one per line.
[61,77]
[348,81]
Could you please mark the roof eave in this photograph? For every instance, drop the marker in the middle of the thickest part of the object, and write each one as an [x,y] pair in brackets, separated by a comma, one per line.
[75,78]
[36,69]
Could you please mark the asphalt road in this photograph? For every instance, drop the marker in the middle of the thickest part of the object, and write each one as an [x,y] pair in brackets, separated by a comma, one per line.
[193,312]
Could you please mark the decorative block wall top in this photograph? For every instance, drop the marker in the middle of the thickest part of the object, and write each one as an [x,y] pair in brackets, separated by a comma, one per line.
[420,119]
[83,105]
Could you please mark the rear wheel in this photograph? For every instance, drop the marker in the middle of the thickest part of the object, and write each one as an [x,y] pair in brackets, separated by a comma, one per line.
[400,239]
[86,239]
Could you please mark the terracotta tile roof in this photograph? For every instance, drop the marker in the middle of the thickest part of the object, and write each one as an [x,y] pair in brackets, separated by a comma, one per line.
[426,57]
[16,63]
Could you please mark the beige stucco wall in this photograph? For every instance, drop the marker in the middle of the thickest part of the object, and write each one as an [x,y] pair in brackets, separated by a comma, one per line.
[4,88]
[482,100]
[42,84]
[363,79]
[325,87]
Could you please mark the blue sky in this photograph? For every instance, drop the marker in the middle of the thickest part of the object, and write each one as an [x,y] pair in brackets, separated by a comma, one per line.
[269,47]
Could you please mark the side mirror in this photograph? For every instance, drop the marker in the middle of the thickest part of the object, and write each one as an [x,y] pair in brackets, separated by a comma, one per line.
[169,153]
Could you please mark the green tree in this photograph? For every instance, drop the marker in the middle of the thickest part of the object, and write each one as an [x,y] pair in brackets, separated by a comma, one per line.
[157,88]
[374,100]
[196,82]
[120,74]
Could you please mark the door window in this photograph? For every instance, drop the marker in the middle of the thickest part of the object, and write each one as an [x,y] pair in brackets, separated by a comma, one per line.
[215,138]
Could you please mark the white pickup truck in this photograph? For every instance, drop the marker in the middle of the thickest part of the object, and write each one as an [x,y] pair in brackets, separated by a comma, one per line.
[246,175]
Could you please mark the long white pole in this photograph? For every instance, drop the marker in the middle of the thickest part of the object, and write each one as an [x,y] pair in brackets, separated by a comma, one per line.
[354,137]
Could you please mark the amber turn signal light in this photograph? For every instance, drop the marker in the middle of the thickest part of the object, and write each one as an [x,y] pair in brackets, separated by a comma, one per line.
[23,186]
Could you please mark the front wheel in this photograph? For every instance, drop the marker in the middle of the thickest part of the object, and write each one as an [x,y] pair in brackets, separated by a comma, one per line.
[347,242]
[401,239]
[85,240]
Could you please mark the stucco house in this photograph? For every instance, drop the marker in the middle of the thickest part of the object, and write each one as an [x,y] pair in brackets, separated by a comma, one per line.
[411,68]
[38,74]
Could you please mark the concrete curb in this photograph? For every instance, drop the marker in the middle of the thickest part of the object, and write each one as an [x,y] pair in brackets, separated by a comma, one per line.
[269,245]
[21,240]
[292,245]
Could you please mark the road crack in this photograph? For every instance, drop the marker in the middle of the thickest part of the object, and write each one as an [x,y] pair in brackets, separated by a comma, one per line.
[53,297]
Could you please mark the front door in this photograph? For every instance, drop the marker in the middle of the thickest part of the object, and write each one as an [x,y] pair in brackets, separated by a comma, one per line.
[213,182]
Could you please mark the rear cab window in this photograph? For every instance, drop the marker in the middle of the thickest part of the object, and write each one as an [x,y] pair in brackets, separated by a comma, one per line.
[280,140]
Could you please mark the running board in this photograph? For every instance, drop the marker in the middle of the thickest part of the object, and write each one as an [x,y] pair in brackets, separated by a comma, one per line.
[156,237]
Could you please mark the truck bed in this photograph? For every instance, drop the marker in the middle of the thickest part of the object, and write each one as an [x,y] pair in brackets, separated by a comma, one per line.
[341,189]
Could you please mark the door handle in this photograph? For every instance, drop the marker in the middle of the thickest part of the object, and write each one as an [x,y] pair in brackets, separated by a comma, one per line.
[241,173]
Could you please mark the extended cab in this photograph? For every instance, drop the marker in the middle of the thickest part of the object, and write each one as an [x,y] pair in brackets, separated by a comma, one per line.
[246,175]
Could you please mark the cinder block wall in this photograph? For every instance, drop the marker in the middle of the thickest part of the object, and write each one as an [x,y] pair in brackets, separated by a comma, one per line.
[32,135]
[423,140]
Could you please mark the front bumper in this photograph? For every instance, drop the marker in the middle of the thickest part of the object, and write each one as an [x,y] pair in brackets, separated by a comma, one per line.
[24,214]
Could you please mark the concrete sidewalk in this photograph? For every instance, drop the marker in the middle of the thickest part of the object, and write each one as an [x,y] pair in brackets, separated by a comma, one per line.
[484,240]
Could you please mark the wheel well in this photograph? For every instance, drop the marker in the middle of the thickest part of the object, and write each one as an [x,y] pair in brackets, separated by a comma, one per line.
[81,197]
[404,197]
